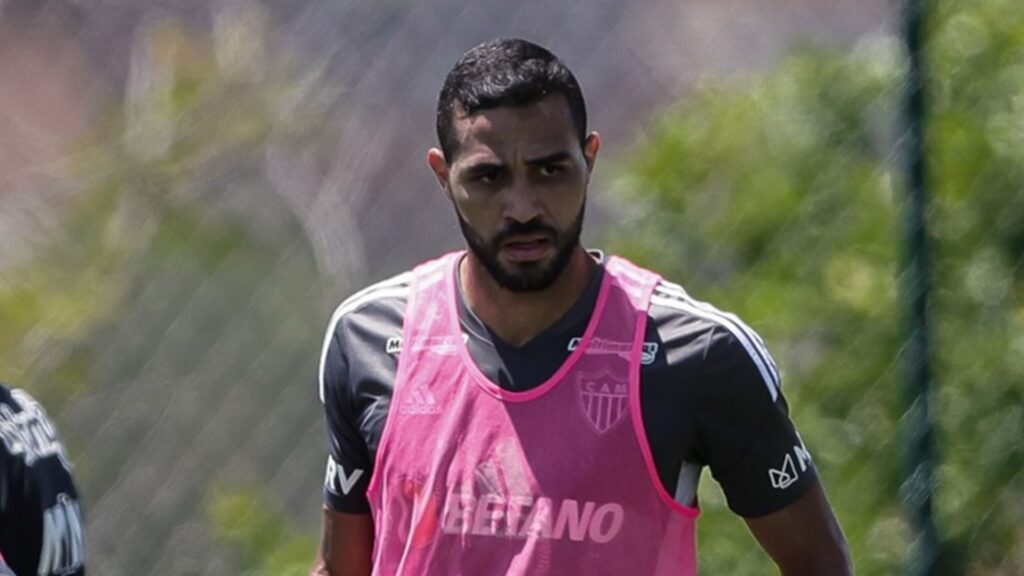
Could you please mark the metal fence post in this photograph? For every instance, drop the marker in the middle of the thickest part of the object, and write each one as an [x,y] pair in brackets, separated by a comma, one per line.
[918,484]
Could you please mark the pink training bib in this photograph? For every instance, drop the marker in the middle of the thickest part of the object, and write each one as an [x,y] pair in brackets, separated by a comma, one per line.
[474,480]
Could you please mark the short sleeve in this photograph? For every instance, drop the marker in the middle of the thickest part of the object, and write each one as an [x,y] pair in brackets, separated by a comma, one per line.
[349,464]
[746,436]
[41,526]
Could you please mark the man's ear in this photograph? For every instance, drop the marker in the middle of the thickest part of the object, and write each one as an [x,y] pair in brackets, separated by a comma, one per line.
[439,166]
[591,146]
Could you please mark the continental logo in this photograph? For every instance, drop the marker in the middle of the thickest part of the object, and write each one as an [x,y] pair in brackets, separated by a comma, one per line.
[621,349]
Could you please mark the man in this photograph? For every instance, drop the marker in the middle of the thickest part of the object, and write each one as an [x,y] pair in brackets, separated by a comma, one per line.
[529,407]
[40,519]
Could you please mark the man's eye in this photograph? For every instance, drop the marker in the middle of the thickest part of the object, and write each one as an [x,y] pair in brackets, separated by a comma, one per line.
[551,169]
[487,176]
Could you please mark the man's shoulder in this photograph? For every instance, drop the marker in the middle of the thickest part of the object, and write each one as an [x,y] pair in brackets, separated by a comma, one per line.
[381,299]
[21,414]
[672,306]
[722,337]
[367,320]
[16,400]
[386,297]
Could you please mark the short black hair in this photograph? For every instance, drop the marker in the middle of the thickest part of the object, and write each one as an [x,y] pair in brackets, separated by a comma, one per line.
[505,72]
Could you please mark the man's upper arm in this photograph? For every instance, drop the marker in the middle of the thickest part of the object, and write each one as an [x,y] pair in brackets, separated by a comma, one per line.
[348,467]
[748,440]
[762,464]
[358,362]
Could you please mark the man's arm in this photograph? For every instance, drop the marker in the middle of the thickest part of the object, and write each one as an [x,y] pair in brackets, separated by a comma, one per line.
[760,461]
[355,399]
[346,545]
[804,538]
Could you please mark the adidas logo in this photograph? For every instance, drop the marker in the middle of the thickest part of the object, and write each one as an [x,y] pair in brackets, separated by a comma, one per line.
[420,401]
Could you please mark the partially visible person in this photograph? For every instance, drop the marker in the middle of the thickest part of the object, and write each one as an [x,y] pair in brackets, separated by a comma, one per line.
[40,517]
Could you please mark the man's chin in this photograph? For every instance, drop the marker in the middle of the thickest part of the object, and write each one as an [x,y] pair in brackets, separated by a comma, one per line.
[530,276]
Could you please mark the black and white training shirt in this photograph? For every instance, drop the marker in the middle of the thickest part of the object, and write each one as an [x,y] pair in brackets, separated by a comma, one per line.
[710,393]
[40,518]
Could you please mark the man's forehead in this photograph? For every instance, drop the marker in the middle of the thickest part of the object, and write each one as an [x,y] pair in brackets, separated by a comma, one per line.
[552,106]
[547,123]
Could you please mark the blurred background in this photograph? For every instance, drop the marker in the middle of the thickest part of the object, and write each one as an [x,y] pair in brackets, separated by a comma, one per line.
[189,188]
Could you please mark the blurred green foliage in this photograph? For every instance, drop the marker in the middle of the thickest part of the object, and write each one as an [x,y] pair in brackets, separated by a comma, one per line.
[779,198]
[252,521]
[181,279]
[57,300]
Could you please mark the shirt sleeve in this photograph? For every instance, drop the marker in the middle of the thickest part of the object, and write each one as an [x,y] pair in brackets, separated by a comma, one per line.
[349,464]
[746,436]
[41,527]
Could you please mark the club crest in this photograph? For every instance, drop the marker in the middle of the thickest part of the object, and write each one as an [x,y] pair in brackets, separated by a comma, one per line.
[604,399]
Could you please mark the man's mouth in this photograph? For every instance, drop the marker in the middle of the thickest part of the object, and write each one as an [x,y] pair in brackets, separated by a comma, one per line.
[525,249]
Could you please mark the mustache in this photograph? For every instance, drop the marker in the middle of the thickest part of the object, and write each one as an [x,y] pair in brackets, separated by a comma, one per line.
[521,228]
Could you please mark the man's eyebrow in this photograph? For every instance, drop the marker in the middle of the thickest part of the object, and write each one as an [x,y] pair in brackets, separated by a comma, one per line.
[482,167]
[560,156]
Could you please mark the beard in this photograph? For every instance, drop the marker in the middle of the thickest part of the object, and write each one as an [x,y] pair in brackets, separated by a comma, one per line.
[525,276]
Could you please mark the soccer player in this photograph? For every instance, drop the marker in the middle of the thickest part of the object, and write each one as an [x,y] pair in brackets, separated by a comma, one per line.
[529,407]
[40,518]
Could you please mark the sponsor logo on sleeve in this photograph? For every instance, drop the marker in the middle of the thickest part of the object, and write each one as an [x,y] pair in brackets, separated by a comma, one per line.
[787,474]
[337,480]
[803,457]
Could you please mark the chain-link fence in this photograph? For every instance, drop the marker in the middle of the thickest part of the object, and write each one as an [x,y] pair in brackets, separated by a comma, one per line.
[188,189]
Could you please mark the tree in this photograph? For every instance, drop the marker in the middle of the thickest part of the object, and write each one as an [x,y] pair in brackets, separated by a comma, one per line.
[777,198]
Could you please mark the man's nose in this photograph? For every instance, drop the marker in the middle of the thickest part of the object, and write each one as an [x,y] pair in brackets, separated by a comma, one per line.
[523,201]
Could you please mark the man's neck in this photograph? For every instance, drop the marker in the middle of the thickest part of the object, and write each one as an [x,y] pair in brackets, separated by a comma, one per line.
[516,317]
